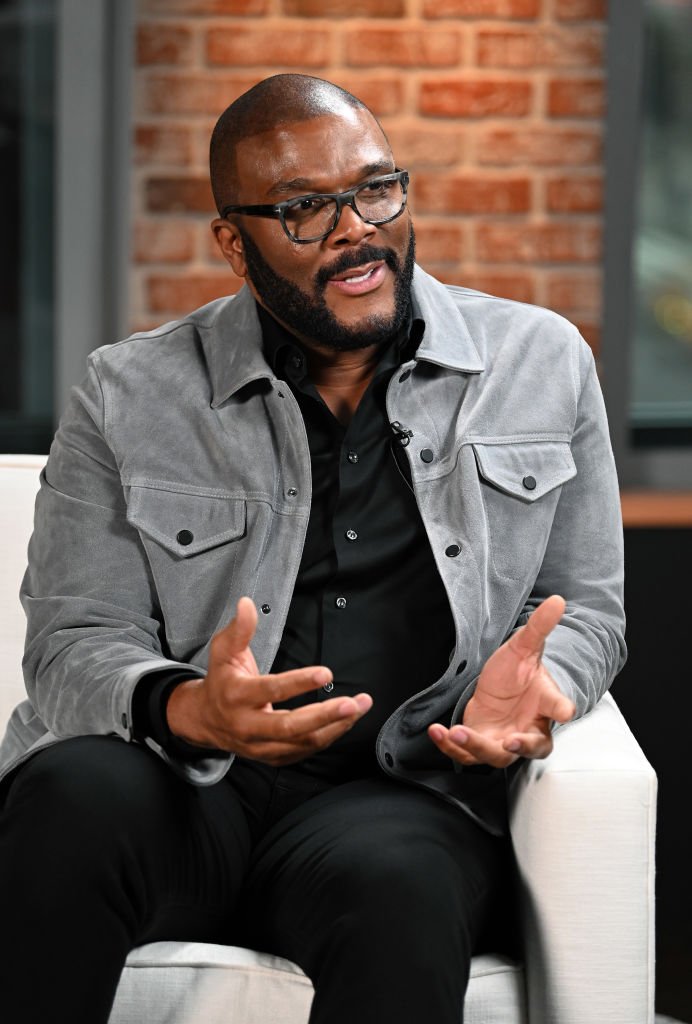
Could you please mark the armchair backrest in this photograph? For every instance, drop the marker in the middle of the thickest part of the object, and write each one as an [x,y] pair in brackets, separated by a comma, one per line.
[19,481]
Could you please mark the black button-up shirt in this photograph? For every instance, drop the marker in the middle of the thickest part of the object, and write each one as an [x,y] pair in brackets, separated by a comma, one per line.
[368,600]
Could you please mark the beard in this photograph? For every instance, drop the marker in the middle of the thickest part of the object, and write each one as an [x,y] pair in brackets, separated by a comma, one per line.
[309,315]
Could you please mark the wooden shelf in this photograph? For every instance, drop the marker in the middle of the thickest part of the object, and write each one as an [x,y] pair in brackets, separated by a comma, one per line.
[657,508]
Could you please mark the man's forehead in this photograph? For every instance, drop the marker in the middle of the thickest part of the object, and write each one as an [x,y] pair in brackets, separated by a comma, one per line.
[322,148]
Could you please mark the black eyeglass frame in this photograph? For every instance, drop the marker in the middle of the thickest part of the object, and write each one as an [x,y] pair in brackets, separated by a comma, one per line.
[347,198]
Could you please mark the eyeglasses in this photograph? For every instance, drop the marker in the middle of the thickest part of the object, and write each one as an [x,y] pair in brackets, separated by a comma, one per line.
[311,218]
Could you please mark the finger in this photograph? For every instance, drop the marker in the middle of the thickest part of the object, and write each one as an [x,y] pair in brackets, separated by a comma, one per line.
[530,638]
[558,707]
[234,638]
[299,724]
[529,744]
[274,688]
[469,748]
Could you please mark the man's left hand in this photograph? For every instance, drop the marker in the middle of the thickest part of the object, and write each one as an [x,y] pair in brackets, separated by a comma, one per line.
[515,701]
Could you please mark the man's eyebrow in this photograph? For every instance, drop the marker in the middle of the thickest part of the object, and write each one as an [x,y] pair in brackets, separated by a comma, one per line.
[306,186]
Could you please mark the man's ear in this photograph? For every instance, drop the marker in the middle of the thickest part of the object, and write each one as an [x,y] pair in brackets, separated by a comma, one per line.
[230,244]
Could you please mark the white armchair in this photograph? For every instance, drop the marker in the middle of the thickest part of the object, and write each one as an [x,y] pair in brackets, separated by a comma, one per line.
[583,826]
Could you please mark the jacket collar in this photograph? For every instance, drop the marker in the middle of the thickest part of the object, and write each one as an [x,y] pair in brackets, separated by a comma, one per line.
[232,340]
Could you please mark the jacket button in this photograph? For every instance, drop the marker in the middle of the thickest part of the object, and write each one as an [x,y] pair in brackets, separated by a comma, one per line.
[427,455]
[185,537]
[388,759]
[266,609]
[453,550]
[529,483]
[340,602]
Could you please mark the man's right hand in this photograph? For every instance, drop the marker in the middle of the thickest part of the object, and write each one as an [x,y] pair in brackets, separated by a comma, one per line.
[232,707]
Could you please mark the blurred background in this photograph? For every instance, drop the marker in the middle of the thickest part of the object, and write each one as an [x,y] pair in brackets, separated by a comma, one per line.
[550,150]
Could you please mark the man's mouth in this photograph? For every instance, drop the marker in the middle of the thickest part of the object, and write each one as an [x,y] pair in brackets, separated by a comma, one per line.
[360,280]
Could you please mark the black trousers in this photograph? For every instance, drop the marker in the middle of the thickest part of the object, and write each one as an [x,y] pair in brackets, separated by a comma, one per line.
[381,892]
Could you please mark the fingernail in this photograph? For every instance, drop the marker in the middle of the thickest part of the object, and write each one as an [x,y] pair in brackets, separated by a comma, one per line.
[514,745]
[323,676]
[364,701]
[459,736]
[437,732]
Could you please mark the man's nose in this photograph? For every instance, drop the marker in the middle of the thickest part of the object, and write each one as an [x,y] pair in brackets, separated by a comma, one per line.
[351,228]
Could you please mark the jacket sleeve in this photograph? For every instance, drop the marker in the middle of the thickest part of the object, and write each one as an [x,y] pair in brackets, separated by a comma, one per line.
[584,558]
[94,627]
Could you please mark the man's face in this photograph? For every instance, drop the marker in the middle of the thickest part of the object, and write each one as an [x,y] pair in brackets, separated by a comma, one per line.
[351,289]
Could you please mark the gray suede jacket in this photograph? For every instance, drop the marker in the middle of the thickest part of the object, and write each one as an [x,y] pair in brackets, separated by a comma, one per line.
[186,429]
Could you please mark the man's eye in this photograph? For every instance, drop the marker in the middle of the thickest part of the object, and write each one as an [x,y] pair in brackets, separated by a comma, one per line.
[377,188]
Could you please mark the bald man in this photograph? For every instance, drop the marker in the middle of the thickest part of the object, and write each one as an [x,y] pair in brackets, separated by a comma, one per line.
[314,568]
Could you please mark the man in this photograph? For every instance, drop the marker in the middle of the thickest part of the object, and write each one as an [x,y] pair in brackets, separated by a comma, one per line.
[301,551]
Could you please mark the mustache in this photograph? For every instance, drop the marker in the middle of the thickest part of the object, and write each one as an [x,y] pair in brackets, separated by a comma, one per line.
[356,258]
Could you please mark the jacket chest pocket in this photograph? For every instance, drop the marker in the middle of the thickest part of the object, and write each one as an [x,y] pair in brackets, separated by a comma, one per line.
[521,484]
[192,543]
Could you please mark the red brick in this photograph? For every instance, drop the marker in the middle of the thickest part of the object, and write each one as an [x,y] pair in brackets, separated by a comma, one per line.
[458,193]
[519,287]
[575,195]
[539,146]
[164,241]
[590,331]
[344,8]
[578,10]
[415,145]
[581,291]
[538,243]
[482,8]
[576,97]
[382,95]
[179,195]
[242,47]
[163,44]
[201,7]
[540,47]
[439,242]
[185,94]
[478,98]
[402,47]
[163,144]
[180,293]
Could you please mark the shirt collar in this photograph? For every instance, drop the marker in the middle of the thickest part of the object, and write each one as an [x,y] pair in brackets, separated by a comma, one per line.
[231,337]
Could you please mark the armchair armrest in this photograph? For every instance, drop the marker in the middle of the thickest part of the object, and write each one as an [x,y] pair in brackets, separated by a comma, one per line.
[583,829]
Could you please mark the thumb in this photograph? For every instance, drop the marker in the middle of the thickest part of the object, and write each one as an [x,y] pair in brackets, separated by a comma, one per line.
[234,638]
[530,639]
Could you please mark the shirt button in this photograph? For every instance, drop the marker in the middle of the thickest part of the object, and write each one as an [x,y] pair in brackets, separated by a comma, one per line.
[266,609]
[529,483]
[184,537]
[427,455]
[328,687]
[351,535]
[453,550]
[340,602]
[352,457]
[291,492]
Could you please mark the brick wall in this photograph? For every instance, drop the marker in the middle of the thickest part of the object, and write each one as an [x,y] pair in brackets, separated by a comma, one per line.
[495,106]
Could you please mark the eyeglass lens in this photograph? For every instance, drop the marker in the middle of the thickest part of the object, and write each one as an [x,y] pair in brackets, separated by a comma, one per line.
[314,218]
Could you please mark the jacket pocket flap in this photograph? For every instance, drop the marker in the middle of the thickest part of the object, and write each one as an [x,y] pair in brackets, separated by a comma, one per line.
[527,469]
[183,523]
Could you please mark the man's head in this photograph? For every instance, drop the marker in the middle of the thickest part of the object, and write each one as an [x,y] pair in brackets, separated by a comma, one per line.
[291,136]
